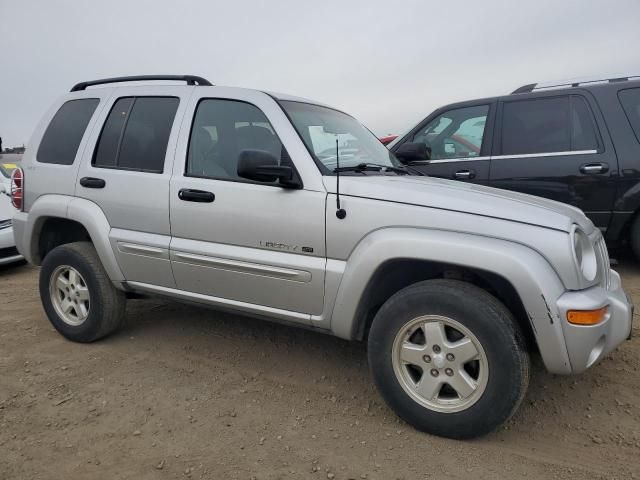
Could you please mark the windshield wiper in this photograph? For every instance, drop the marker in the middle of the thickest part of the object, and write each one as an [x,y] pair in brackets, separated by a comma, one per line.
[371,167]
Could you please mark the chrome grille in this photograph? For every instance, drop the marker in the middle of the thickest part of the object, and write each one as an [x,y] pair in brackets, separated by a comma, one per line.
[603,262]
[5,224]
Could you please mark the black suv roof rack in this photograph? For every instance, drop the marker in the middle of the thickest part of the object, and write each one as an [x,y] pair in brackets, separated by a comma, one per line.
[190,79]
[576,83]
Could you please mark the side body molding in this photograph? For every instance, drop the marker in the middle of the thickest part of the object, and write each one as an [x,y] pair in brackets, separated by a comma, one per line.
[82,211]
[533,278]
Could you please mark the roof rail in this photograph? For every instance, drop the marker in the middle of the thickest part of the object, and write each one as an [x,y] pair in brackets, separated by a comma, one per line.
[571,83]
[190,79]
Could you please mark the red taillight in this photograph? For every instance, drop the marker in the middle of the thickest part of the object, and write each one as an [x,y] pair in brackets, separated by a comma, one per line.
[17,188]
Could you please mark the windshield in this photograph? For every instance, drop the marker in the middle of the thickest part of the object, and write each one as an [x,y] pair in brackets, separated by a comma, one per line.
[319,128]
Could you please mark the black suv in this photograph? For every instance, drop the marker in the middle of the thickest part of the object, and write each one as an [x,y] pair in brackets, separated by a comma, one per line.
[578,143]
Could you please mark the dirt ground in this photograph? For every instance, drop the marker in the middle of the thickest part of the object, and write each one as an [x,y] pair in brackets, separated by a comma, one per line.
[184,392]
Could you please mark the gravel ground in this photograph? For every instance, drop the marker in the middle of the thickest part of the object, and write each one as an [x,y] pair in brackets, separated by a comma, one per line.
[184,392]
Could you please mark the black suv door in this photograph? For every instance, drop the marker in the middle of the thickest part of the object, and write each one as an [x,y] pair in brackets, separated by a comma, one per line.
[552,145]
[460,141]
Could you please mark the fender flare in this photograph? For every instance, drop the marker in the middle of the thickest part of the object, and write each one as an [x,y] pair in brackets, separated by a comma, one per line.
[533,278]
[83,211]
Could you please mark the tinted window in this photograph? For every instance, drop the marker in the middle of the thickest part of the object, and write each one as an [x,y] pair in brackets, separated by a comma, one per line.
[457,133]
[136,134]
[583,133]
[536,126]
[63,135]
[107,150]
[221,130]
[630,100]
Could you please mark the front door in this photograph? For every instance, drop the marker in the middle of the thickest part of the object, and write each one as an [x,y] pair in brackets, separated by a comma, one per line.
[552,146]
[459,147]
[249,244]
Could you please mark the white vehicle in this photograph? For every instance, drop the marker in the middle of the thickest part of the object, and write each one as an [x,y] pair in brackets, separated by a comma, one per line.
[8,251]
[233,198]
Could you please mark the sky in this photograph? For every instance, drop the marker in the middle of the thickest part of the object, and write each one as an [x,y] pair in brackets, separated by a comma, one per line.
[388,63]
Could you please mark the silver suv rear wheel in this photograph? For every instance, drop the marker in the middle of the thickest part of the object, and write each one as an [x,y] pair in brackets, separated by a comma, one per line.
[69,295]
[80,300]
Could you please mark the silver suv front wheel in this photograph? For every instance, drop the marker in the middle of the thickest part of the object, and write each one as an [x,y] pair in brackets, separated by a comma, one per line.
[448,358]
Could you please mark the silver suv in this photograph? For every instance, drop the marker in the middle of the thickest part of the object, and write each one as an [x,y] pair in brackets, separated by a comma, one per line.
[291,210]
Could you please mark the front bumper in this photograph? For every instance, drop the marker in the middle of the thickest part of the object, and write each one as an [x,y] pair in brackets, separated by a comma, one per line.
[8,252]
[586,345]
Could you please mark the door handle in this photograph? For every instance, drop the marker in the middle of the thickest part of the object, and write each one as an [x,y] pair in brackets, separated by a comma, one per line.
[189,195]
[464,174]
[594,168]
[91,182]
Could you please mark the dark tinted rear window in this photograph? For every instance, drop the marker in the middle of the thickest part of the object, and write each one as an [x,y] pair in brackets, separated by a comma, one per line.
[63,135]
[583,127]
[136,134]
[630,100]
[536,126]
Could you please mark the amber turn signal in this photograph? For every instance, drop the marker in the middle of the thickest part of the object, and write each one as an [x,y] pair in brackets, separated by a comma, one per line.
[587,317]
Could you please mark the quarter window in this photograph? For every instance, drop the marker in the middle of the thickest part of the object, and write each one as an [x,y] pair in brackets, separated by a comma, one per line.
[221,130]
[62,138]
[548,125]
[630,100]
[457,133]
[136,133]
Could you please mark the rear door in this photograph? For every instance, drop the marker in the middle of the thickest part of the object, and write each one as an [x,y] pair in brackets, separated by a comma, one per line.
[460,142]
[126,172]
[552,145]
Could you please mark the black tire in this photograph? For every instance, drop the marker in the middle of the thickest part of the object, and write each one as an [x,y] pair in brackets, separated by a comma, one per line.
[634,237]
[107,303]
[495,329]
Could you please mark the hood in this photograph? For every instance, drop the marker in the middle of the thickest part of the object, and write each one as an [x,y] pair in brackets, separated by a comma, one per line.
[463,197]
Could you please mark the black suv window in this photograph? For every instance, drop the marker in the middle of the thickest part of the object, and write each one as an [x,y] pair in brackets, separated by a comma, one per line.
[136,134]
[548,125]
[221,130]
[63,135]
[630,100]
[457,133]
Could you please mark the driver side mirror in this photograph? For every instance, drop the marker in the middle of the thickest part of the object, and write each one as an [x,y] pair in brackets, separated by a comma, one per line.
[262,166]
[411,152]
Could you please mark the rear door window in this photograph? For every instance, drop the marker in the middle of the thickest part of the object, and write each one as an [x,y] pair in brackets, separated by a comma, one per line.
[548,125]
[630,100]
[62,138]
[536,126]
[136,133]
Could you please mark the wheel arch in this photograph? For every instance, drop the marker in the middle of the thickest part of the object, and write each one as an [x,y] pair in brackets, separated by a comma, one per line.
[58,219]
[514,273]
[395,274]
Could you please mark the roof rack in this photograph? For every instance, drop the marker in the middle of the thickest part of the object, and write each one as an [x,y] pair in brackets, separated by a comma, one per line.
[572,83]
[190,79]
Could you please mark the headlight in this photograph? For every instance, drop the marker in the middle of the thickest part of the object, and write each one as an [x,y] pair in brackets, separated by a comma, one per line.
[584,254]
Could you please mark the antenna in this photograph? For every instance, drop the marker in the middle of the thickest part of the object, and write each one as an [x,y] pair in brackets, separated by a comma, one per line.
[340,212]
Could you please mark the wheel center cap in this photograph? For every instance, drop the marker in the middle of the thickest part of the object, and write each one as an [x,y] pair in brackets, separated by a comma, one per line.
[438,360]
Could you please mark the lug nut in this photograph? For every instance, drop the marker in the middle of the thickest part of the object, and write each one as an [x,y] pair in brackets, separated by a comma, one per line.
[427,358]
[436,348]
[434,372]
[450,357]
[449,372]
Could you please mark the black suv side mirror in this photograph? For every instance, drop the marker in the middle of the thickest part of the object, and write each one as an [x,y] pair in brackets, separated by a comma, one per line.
[262,166]
[411,152]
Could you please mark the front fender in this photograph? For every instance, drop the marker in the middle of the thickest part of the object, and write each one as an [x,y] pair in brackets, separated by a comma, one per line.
[534,279]
[27,227]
